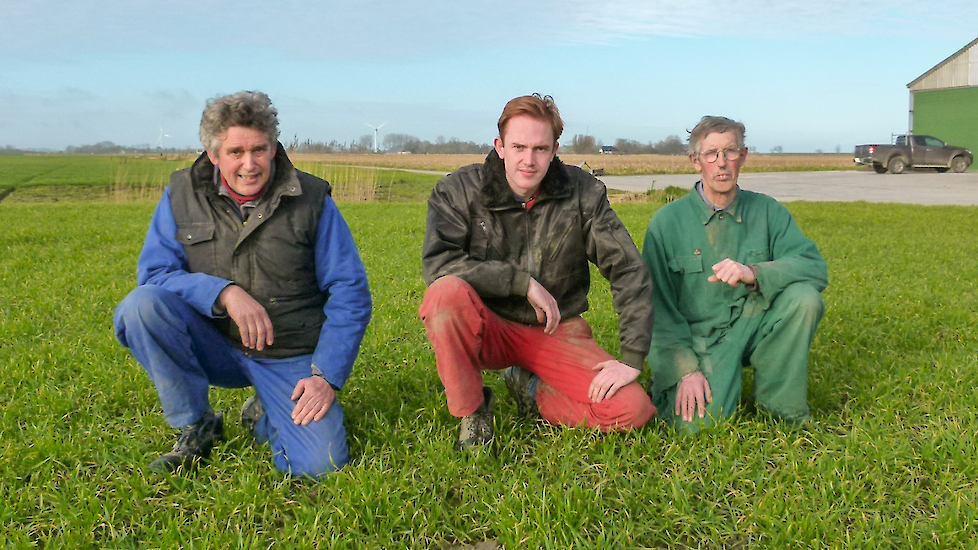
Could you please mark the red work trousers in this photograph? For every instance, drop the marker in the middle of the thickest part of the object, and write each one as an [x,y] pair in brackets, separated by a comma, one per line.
[468,337]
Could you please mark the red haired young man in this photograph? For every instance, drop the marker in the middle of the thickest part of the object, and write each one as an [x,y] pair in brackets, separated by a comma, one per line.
[506,253]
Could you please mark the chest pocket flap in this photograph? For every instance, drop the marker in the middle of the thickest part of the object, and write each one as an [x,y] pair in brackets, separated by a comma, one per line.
[193,233]
[686,264]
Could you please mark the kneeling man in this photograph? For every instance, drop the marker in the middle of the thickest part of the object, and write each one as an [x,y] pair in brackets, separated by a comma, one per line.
[506,256]
[248,277]
[735,283]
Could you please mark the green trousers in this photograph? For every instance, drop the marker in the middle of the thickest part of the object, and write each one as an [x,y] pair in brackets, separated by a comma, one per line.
[775,342]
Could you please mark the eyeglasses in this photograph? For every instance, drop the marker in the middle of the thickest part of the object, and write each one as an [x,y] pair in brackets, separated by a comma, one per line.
[729,154]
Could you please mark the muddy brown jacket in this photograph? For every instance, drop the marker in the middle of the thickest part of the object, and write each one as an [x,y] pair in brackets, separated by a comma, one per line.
[478,232]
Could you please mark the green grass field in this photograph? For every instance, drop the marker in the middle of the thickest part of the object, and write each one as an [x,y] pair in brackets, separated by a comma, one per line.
[48,178]
[892,463]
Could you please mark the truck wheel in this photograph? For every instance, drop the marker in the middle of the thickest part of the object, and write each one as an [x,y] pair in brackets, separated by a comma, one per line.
[879,168]
[896,165]
[959,164]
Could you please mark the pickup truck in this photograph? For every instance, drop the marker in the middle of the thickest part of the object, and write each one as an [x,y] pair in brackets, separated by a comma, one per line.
[913,152]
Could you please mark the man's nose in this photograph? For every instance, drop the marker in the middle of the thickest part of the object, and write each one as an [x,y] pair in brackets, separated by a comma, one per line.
[248,160]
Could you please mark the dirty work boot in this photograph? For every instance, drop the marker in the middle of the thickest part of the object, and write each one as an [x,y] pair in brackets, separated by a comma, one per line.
[193,445]
[477,427]
[251,413]
[522,385]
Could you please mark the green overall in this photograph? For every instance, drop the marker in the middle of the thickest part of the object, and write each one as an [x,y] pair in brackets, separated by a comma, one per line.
[717,329]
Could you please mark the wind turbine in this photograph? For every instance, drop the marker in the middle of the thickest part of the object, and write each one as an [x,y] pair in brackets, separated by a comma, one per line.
[376,130]
[159,140]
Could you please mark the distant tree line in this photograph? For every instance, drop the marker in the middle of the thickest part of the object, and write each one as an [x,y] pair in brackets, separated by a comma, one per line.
[404,143]
[109,148]
[363,145]
[585,144]
[672,145]
[391,143]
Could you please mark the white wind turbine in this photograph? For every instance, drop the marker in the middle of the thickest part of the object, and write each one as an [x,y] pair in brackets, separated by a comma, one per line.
[159,140]
[376,130]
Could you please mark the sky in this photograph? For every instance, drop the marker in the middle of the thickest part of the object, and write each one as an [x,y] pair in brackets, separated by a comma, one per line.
[805,76]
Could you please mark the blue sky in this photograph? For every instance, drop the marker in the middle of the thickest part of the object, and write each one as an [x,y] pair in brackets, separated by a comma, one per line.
[802,75]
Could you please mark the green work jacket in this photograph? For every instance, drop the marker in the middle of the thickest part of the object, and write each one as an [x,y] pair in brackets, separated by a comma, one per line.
[684,240]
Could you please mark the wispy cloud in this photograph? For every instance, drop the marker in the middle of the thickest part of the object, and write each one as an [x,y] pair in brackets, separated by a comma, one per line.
[359,29]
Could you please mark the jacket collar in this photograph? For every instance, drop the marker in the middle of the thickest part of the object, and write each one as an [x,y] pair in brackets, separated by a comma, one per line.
[708,213]
[497,194]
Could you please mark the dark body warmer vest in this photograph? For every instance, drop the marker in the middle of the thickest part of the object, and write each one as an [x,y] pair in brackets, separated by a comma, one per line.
[271,255]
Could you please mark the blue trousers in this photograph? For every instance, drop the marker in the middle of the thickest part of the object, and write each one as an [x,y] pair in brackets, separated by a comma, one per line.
[184,355]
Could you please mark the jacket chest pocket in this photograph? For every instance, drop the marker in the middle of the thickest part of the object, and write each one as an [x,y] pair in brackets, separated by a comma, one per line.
[199,245]
[755,257]
[479,242]
[191,233]
[686,264]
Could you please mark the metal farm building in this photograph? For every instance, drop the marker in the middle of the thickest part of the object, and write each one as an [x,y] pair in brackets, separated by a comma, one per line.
[944,100]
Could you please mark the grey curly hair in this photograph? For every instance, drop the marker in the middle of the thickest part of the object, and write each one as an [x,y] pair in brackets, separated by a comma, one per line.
[246,109]
[714,124]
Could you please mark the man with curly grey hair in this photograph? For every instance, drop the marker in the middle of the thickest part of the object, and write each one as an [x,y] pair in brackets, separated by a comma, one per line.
[249,276]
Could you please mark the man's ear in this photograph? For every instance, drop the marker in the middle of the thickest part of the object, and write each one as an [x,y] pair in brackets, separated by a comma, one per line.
[498,145]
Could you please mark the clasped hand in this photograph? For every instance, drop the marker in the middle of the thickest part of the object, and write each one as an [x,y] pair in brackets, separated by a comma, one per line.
[251,318]
[731,272]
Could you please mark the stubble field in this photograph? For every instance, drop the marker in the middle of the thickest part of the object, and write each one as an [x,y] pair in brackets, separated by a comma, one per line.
[611,164]
[355,177]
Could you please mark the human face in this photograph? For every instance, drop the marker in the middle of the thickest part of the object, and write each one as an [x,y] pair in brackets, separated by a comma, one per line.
[719,177]
[527,150]
[245,159]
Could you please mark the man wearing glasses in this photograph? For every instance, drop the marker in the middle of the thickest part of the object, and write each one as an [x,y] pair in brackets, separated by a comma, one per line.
[735,283]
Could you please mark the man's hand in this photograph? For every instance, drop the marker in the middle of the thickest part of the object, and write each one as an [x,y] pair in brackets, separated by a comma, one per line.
[612,375]
[313,398]
[253,322]
[732,273]
[545,306]
[692,396]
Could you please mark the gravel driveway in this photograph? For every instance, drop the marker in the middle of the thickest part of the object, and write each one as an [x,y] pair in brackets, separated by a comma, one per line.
[914,188]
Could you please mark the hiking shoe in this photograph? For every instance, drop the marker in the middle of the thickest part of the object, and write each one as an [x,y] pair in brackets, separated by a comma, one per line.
[193,445]
[518,382]
[251,413]
[477,427]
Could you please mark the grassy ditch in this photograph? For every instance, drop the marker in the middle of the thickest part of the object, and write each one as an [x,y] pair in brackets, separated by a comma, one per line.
[892,463]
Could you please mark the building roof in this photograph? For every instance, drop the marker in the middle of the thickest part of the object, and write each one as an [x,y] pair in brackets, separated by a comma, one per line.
[958,70]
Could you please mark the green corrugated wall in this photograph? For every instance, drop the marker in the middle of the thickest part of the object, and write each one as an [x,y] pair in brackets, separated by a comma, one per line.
[950,115]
